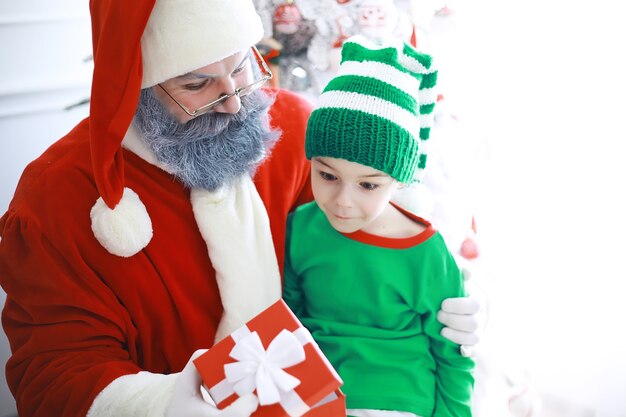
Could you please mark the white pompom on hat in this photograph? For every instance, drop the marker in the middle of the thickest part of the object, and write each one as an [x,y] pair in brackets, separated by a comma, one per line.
[138,44]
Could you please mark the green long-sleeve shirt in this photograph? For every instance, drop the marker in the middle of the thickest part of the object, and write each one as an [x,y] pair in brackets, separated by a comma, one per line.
[371,304]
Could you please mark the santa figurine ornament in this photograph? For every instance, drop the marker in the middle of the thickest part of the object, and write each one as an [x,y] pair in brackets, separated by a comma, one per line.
[287,18]
[377,19]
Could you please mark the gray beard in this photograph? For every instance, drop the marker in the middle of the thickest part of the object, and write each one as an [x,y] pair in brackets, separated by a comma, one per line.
[213,149]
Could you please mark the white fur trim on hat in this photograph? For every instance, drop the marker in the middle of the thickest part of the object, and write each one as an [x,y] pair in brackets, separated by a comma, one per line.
[184,35]
[124,230]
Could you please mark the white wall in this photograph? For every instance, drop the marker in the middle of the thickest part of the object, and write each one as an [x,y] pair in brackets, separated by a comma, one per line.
[544,83]
[46,67]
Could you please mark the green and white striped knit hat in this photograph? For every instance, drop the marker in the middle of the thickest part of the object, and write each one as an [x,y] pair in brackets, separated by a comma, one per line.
[377,110]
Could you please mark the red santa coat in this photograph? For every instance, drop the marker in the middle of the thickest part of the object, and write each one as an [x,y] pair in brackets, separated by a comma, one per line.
[78,317]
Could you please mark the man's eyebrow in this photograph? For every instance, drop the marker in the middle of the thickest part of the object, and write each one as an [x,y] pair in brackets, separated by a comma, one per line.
[201,76]
[195,76]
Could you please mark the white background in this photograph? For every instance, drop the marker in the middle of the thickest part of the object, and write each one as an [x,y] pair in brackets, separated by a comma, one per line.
[542,82]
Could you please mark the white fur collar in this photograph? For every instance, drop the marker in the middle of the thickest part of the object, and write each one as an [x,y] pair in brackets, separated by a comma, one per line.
[235,226]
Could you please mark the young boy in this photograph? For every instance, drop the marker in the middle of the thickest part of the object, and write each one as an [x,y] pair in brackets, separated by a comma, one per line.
[365,276]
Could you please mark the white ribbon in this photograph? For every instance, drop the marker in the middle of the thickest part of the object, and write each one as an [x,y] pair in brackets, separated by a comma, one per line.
[262,369]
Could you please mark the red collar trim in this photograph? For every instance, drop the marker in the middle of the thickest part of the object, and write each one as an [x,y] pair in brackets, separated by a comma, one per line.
[395,243]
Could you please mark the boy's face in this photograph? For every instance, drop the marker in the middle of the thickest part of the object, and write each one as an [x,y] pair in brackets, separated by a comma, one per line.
[353,196]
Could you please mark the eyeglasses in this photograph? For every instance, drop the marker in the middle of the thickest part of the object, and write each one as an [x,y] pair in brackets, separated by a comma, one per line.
[266,74]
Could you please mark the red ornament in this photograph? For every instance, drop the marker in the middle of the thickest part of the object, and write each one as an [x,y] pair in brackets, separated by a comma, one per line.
[287,18]
[469,248]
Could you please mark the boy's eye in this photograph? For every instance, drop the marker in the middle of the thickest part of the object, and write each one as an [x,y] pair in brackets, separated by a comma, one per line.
[369,186]
[327,177]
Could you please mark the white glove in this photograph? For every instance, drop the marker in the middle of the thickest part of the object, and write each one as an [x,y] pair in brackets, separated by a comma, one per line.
[464,318]
[187,399]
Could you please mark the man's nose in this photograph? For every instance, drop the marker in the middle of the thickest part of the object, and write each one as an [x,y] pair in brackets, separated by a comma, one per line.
[232,104]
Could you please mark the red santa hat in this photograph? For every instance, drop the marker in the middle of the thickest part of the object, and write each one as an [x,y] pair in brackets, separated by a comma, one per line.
[138,44]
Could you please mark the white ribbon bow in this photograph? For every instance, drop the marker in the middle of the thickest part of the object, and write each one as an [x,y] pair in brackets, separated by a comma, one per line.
[262,369]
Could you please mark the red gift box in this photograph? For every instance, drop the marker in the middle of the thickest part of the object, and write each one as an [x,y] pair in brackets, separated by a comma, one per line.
[277,358]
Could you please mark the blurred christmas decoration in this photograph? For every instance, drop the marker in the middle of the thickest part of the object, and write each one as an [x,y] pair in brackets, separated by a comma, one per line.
[270,50]
[287,18]
[377,19]
[290,33]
